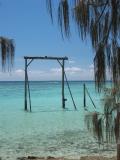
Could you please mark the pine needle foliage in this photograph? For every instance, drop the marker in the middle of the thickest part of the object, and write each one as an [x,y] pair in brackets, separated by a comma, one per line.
[7,50]
[106,126]
[100,20]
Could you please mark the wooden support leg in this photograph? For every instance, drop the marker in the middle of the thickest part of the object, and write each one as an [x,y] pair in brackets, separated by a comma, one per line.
[25,107]
[63,95]
[84,100]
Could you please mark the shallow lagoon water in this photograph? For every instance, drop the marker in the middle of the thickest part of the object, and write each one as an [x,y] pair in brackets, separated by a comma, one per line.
[47,130]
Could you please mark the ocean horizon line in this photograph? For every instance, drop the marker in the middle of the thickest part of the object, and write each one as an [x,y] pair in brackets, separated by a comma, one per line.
[51,81]
[82,81]
[43,80]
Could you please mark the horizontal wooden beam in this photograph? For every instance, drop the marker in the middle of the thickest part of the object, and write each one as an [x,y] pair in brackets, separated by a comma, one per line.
[47,58]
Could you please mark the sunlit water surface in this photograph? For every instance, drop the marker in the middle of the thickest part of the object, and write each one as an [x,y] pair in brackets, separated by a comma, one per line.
[47,130]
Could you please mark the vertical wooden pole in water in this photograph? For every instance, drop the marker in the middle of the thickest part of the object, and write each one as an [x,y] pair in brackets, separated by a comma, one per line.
[84,100]
[25,85]
[63,96]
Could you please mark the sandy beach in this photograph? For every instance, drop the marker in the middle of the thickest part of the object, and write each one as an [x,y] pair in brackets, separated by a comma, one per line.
[82,158]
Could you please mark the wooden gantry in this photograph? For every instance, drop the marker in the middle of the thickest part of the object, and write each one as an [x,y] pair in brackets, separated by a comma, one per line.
[28,61]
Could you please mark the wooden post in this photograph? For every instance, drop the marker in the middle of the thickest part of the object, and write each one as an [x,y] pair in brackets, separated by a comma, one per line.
[84,93]
[63,96]
[28,85]
[25,107]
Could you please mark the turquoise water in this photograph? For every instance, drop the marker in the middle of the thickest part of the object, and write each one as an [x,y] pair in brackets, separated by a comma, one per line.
[47,130]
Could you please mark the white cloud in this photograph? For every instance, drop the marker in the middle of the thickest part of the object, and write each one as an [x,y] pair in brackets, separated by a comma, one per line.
[71,62]
[67,69]
[73,69]
[57,70]
[19,71]
[36,72]
[91,66]
[73,73]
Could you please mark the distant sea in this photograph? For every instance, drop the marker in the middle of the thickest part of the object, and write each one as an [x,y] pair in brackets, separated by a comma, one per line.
[48,130]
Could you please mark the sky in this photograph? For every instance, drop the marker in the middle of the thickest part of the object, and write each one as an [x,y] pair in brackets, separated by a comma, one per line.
[28,23]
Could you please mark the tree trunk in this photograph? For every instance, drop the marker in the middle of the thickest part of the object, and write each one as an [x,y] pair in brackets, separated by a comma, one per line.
[118,127]
[118,151]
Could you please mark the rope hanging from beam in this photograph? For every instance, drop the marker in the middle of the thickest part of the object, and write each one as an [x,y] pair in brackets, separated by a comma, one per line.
[84,100]
[69,88]
[70,92]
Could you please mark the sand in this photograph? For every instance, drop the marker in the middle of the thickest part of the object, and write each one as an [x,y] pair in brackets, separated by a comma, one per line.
[97,158]
[82,158]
